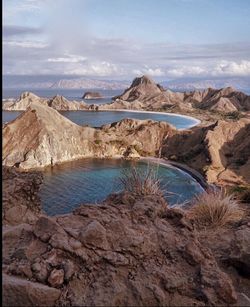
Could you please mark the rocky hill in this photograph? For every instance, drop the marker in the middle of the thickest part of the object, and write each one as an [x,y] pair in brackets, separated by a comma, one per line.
[123,252]
[221,151]
[41,136]
[57,102]
[145,94]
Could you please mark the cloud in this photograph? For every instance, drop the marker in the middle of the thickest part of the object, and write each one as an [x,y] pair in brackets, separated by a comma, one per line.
[186,71]
[100,69]
[70,58]
[230,68]
[14,30]
[157,72]
[26,44]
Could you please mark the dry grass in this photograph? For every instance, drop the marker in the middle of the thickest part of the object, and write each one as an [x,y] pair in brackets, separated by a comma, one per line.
[141,182]
[214,209]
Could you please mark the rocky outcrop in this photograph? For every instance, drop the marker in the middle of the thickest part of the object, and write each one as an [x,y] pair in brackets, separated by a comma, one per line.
[25,187]
[62,104]
[222,100]
[145,94]
[126,252]
[41,136]
[92,95]
[57,102]
[221,151]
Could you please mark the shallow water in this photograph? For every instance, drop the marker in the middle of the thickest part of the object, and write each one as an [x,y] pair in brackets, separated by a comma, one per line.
[97,119]
[68,185]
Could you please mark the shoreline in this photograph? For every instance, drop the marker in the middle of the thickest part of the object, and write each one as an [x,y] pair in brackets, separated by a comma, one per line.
[196,120]
[184,168]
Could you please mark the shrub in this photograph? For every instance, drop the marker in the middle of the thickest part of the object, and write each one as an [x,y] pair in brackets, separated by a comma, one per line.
[242,192]
[97,142]
[141,182]
[215,208]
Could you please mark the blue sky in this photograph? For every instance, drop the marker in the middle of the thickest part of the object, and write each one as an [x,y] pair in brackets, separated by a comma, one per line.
[124,38]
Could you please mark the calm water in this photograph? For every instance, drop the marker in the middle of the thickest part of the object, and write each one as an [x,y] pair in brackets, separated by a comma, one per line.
[71,94]
[97,119]
[67,186]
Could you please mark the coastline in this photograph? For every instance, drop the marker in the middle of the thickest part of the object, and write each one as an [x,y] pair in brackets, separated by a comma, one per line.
[196,120]
[184,168]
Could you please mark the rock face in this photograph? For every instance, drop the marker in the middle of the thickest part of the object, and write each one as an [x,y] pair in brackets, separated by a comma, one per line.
[145,94]
[62,104]
[223,100]
[221,150]
[26,187]
[41,136]
[57,102]
[122,252]
[92,95]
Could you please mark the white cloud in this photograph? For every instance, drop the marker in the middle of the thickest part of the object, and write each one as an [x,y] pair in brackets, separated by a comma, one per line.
[186,70]
[26,44]
[68,59]
[157,72]
[96,69]
[231,68]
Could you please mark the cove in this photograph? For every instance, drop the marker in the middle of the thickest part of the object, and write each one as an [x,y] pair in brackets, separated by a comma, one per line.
[97,119]
[68,185]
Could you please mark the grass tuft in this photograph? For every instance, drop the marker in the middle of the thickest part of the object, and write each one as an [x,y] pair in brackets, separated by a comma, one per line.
[140,182]
[214,209]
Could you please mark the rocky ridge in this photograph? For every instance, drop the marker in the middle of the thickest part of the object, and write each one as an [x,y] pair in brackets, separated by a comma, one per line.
[125,251]
[41,137]
[57,102]
[221,151]
[145,94]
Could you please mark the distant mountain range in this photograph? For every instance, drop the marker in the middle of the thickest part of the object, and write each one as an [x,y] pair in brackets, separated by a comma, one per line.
[90,84]
[46,82]
[242,83]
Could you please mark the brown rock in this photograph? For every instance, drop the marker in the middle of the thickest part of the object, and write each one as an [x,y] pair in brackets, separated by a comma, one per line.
[20,292]
[56,278]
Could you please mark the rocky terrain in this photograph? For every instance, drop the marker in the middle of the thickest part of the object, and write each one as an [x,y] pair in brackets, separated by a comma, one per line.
[57,102]
[220,151]
[92,95]
[145,94]
[125,251]
[41,137]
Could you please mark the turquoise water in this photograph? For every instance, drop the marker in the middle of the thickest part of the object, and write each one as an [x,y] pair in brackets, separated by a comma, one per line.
[68,185]
[97,119]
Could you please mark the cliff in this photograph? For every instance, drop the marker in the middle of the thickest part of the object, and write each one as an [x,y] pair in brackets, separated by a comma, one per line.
[221,151]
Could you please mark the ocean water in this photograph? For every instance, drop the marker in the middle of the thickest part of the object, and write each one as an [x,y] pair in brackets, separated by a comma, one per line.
[68,185]
[70,94]
[97,119]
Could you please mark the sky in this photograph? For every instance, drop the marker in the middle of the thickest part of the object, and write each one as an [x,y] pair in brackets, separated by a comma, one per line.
[120,39]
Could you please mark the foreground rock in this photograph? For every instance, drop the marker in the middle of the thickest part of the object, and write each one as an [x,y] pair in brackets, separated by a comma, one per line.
[57,102]
[25,187]
[126,251]
[41,136]
[92,95]
[220,151]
